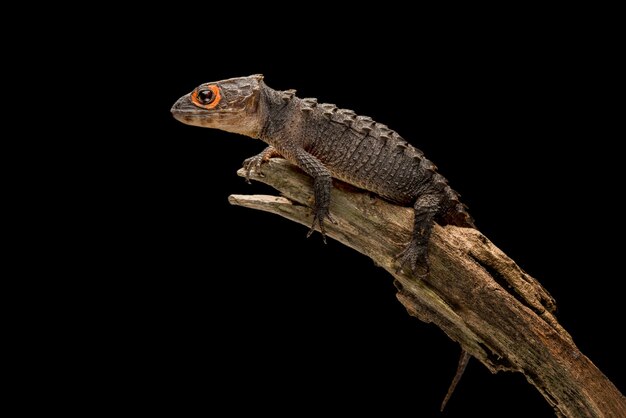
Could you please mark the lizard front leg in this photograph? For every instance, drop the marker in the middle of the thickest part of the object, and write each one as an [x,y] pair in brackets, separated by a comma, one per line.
[255,163]
[322,183]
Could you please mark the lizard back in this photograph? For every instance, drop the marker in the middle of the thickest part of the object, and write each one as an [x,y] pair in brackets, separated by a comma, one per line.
[369,155]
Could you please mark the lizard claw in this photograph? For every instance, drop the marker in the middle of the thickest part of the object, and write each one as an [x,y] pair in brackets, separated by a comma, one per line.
[416,257]
[319,220]
[254,164]
[321,231]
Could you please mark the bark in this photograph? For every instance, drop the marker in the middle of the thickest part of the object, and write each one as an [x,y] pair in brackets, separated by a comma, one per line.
[476,294]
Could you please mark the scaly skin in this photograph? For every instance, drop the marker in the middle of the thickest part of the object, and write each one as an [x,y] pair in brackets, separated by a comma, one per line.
[328,142]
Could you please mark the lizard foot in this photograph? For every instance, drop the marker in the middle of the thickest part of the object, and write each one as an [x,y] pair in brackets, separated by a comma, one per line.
[254,164]
[318,219]
[415,256]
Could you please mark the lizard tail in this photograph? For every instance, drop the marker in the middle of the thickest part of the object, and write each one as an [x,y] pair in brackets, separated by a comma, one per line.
[465,357]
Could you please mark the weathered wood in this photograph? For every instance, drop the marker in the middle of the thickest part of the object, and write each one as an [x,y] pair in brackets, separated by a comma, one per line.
[476,294]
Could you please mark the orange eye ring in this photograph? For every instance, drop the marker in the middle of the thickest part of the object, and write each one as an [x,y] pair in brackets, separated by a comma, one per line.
[206,97]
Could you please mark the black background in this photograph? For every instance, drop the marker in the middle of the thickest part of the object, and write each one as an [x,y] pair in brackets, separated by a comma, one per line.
[225,307]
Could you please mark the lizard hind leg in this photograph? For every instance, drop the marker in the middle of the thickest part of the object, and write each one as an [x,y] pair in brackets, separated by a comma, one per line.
[255,163]
[415,254]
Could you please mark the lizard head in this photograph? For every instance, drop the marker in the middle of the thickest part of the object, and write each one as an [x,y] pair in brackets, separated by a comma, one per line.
[230,105]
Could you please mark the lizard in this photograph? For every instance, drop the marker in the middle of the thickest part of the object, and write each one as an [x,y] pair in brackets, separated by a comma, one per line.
[328,142]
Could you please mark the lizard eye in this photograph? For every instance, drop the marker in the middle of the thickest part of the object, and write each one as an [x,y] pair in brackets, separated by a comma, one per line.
[206,97]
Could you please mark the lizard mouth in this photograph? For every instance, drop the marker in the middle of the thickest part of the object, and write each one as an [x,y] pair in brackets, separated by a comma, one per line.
[206,118]
[223,119]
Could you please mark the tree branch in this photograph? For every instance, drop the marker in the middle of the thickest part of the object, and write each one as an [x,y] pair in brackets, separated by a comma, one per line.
[476,294]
